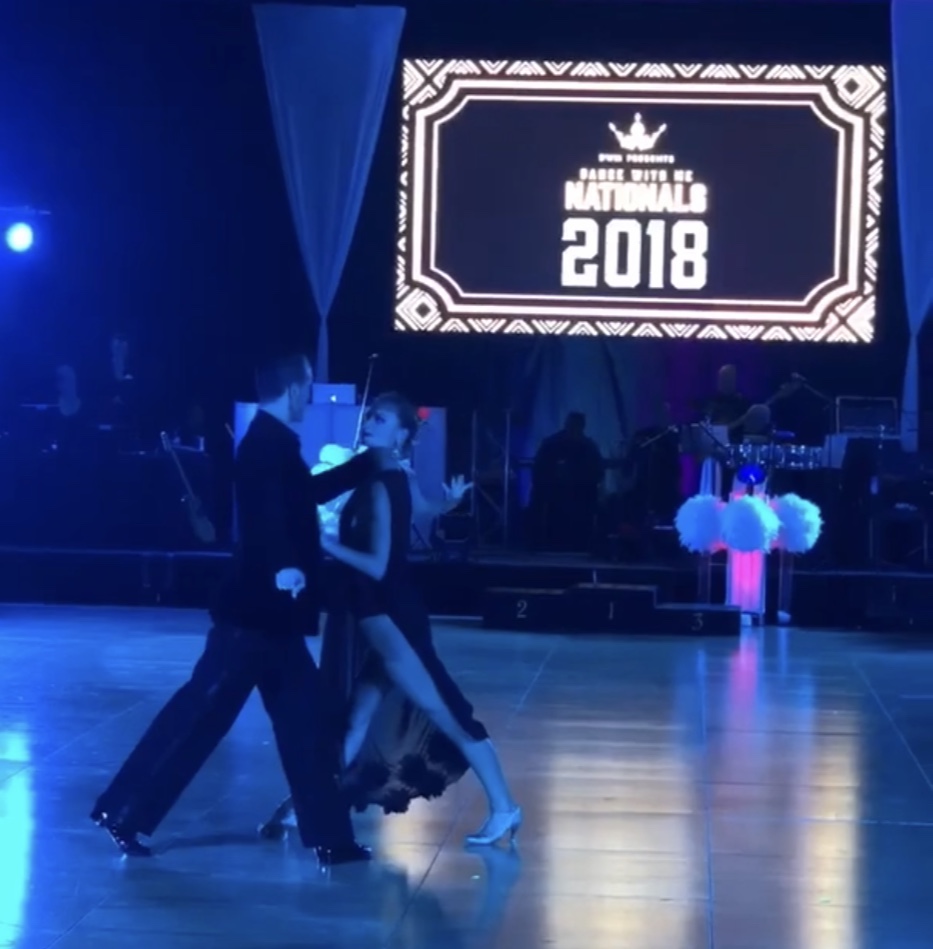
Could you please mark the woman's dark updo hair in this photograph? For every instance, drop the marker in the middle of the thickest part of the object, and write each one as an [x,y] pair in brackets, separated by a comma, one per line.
[406,413]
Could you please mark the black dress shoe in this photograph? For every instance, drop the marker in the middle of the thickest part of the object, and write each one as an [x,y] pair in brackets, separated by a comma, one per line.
[346,853]
[127,840]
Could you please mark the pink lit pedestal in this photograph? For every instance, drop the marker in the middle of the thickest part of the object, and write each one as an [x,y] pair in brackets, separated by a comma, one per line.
[705,578]
[785,586]
[745,582]
[747,573]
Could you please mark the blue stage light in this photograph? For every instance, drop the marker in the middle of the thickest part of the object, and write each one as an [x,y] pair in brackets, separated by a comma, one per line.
[751,475]
[19,237]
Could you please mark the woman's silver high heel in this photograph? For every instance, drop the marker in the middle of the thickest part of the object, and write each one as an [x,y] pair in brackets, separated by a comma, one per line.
[500,824]
[276,827]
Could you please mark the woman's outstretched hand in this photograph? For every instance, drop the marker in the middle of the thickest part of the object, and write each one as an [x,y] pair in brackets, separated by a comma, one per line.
[457,490]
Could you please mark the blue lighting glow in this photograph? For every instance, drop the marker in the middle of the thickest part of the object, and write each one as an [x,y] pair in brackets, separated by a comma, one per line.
[17,827]
[751,475]
[19,237]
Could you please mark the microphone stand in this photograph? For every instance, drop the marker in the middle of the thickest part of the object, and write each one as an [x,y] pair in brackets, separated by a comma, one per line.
[827,400]
[670,430]
[822,396]
[722,447]
[707,429]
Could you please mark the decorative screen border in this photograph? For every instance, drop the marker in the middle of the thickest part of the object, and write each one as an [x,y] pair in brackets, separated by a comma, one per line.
[852,99]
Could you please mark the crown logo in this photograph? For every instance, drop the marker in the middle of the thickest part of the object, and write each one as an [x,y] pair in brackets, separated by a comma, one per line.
[637,138]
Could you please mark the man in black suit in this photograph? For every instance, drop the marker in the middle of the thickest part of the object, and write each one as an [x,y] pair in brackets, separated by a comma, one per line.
[726,406]
[265,609]
[565,480]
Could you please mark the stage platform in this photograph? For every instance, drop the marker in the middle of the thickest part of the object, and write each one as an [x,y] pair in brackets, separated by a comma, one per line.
[458,587]
[768,792]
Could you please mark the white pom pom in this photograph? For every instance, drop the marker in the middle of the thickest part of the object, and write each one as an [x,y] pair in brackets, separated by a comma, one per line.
[698,523]
[749,525]
[801,523]
[333,455]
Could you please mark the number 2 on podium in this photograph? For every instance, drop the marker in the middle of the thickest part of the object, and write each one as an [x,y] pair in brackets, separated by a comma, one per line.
[521,609]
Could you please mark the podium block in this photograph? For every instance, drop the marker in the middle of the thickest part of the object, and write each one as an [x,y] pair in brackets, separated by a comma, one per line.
[610,607]
[697,619]
[523,609]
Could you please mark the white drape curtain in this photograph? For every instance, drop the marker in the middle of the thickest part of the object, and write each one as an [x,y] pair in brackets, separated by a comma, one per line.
[328,72]
[912,38]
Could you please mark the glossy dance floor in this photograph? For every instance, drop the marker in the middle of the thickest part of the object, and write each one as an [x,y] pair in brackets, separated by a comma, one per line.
[769,794]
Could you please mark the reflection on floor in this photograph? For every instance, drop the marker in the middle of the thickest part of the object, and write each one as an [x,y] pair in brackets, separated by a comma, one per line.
[769,794]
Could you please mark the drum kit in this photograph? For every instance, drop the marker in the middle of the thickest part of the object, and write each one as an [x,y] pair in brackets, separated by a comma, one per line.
[772,456]
[775,454]
[760,460]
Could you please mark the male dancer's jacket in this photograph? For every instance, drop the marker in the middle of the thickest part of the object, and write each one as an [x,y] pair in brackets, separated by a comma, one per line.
[276,504]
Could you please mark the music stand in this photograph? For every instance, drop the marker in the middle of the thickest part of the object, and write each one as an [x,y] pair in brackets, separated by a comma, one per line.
[702,441]
[699,438]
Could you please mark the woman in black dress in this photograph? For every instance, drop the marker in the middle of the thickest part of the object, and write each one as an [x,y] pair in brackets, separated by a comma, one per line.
[409,731]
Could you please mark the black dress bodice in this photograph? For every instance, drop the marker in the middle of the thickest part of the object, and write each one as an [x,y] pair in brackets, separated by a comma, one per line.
[368,597]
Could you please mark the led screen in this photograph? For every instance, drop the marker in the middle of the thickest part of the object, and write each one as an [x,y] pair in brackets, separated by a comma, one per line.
[656,200]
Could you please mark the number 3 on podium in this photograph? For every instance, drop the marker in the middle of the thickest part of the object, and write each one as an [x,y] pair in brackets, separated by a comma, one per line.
[697,624]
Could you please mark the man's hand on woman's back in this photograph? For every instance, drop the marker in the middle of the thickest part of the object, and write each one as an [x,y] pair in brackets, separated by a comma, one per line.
[290,580]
